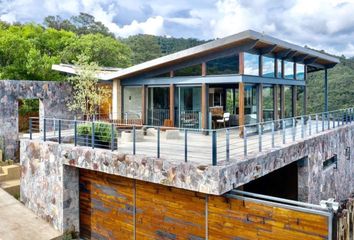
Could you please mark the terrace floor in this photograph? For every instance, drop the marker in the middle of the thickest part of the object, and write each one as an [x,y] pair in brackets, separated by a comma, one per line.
[197,146]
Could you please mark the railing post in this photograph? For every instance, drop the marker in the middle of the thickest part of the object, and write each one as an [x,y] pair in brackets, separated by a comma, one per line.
[75,133]
[322,122]
[294,129]
[44,129]
[333,120]
[316,123]
[259,137]
[227,144]
[185,145]
[30,128]
[273,140]
[134,140]
[214,149]
[302,127]
[93,135]
[158,142]
[310,125]
[245,141]
[59,131]
[112,137]
[338,120]
[328,120]
[283,131]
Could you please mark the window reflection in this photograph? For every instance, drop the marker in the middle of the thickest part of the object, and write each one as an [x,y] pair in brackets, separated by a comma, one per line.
[300,71]
[132,99]
[268,103]
[288,70]
[288,102]
[250,104]
[268,67]
[279,71]
[251,64]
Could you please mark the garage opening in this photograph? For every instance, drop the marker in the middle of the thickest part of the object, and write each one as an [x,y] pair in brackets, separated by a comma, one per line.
[282,183]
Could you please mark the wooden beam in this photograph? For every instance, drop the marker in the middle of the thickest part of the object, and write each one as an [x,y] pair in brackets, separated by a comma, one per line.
[282,69]
[241,63]
[275,102]
[282,101]
[204,69]
[143,104]
[172,104]
[260,65]
[267,50]
[294,101]
[172,74]
[241,106]
[205,105]
[294,67]
[276,67]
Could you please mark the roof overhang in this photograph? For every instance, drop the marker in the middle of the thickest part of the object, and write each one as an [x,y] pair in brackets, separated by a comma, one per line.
[263,44]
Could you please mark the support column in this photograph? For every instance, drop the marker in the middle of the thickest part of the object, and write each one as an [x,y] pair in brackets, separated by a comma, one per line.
[172,104]
[275,102]
[241,106]
[260,65]
[204,69]
[205,105]
[305,91]
[172,74]
[282,101]
[276,67]
[293,100]
[116,100]
[260,102]
[143,104]
[282,69]
[241,63]
[325,90]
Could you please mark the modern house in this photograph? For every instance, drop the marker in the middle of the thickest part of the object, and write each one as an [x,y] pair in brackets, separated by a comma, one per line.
[170,180]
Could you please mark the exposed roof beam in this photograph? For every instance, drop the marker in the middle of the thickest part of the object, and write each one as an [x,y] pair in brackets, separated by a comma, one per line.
[310,60]
[283,53]
[267,50]
[290,55]
[300,58]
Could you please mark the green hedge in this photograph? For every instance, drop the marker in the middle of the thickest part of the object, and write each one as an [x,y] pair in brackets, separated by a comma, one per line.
[103,131]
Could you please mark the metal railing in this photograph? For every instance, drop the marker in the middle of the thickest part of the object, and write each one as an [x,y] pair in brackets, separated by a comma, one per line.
[205,146]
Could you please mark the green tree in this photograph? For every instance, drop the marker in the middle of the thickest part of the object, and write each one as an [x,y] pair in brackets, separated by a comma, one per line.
[144,48]
[87,94]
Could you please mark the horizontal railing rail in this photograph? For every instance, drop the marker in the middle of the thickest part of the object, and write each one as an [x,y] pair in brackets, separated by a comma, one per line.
[207,146]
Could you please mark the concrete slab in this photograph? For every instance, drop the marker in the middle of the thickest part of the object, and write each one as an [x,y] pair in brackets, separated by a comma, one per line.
[18,222]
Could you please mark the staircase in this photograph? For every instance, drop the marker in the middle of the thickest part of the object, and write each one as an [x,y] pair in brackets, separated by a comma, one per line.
[10,179]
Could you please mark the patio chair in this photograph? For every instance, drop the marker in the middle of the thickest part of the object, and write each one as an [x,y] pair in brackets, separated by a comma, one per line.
[225,118]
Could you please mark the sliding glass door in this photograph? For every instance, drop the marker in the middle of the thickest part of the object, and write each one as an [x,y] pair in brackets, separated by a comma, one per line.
[188,107]
[158,105]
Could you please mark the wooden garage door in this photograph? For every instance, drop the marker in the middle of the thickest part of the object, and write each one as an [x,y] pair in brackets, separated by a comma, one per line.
[106,210]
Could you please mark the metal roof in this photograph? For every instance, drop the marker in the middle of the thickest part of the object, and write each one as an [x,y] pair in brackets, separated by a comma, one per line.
[265,43]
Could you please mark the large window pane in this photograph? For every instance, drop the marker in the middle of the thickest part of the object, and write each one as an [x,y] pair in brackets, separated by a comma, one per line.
[188,106]
[132,102]
[227,65]
[288,70]
[158,105]
[250,104]
[279,71]
[268,67]
[195,70]
[288,102]
[251,64]
[300,71]
[300,100]
[268,103]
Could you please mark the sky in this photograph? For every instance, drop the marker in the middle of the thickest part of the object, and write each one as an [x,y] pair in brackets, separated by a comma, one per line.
[321,24]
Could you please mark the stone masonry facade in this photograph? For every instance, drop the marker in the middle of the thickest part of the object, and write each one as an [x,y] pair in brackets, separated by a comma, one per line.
[53,97]
[49,181]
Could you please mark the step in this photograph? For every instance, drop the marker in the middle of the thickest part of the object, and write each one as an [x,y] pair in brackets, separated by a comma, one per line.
[11,186]
[11,172]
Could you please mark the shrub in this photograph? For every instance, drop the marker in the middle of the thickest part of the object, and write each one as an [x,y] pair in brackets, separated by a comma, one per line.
[103,131]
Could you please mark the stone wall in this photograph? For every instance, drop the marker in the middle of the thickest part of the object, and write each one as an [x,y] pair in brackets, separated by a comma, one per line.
[45,180]
[53,97]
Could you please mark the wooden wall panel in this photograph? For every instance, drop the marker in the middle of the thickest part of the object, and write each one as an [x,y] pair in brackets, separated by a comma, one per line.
[236,219]
[106,206]
[169,213]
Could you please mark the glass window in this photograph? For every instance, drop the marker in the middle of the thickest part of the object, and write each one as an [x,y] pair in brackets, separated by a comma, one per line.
[268,67]
[195,70]
[132,102]
[158,105]
[288,102]
[227,65]
[288,70]
[279,72]
[250,104]
[251,64]
[300,100]
[300,71]
[268,103]
[188,107]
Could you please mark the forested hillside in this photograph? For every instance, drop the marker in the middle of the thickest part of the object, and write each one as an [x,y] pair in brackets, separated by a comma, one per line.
[27,51]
